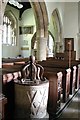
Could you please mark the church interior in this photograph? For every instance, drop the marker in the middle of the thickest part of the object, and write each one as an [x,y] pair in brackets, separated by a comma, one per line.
[39,59]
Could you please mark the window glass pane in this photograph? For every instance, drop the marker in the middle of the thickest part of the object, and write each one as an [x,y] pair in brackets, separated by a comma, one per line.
[9,35]
[6,20]
[4,33]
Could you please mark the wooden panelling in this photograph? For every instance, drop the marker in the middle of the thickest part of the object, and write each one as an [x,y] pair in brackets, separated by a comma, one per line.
[67,40]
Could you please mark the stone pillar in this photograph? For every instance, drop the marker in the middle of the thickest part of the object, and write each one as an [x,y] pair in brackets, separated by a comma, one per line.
[78,37]
[41,51]
[0,13]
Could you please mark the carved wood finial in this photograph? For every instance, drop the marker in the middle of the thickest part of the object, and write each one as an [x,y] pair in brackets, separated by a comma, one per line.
[69,43]
[32,70]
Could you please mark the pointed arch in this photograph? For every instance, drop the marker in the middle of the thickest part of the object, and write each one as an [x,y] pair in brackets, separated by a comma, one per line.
[11,16]
[41,18]
[56,16]
[56,20]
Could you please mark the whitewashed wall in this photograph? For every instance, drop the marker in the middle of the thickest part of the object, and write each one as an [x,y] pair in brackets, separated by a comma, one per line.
[51,6]
[25,39]
[71,23]
[69,17]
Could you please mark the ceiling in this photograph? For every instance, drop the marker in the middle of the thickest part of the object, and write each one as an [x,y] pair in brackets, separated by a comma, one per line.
[26,5]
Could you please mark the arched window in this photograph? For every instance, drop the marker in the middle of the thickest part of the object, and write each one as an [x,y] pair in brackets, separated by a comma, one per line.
[9,31]
[50,45]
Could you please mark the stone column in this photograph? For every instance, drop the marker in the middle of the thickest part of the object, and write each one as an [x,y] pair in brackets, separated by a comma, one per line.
[78,37]
[41,51]
[0,13]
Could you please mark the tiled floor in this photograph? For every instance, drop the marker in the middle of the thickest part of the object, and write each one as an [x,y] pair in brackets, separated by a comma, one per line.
[72,111]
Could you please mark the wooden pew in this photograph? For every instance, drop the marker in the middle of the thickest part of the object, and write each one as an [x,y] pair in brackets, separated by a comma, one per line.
[3,102]
[19,63]
[8,76]
[12,60]
[54,97]
[74,82]
[73,63]
[79,75]
[11,73]
[65,81]
[77,64]
[6,65]
[9,62]
[66,76]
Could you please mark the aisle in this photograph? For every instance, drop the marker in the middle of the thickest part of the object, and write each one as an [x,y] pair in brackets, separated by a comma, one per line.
[73,109]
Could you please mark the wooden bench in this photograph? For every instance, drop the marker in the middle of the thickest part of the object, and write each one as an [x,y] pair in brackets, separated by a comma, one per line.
[9,75]
[6,65]
[10,60]
[48,66]
[3,102]
[65,80]
[79,74]
[77,64]
[65,64]
[54,97]
[73,63]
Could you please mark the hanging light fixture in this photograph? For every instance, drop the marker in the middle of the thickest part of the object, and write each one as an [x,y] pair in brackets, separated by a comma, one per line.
[15,3]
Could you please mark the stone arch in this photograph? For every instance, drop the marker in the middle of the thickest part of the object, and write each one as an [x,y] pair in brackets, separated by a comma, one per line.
[58,27]
[41,18]
[57,14]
